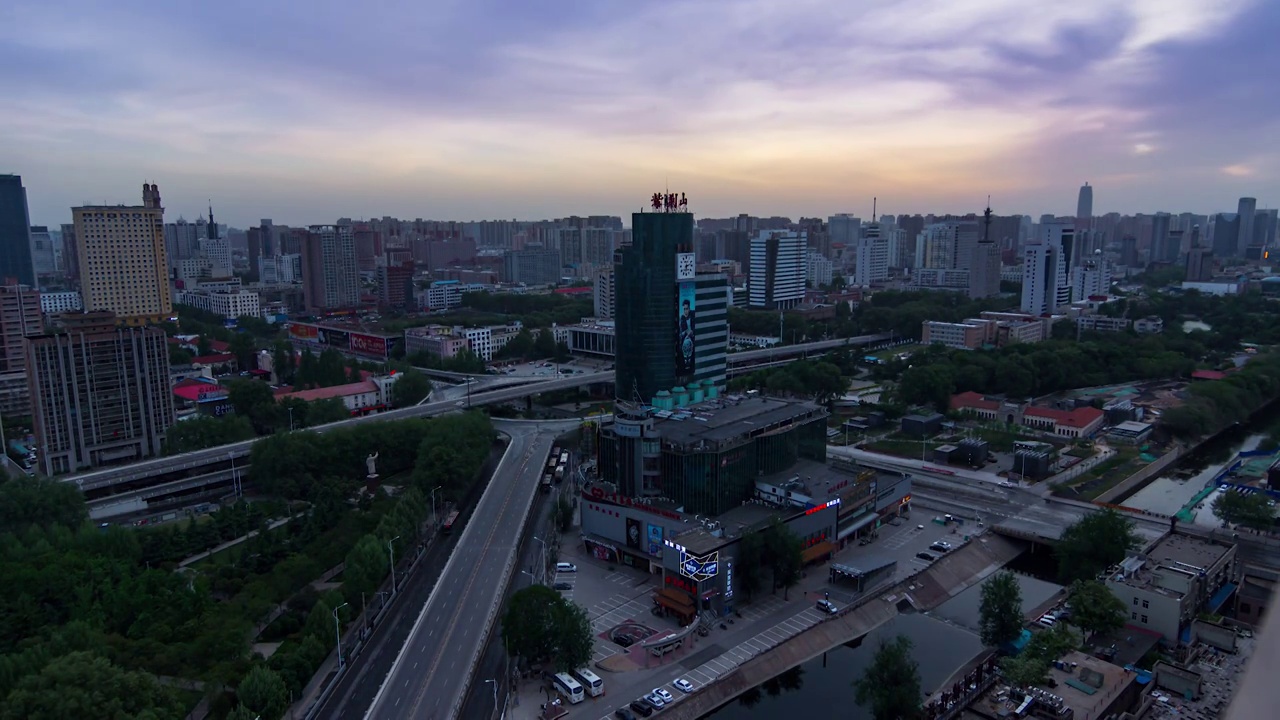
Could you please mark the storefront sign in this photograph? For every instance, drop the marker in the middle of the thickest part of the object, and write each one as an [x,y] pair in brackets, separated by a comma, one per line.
[728,580]
[598,494]
[678,582]
[699,568]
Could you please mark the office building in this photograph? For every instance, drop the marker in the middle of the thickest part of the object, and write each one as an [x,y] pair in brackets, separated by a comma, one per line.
[100,393]
[532,267]
[1129,251]
[604,294]
[124,267]
[778,267]
[1090,278]
[44,256]
[871,264]
[229,304]
[820,270]
[20,316]
[395,286]
[330,276]
[1246,209]
[181,241]
[671,322]
[1084,207]
[1226,236]
[1166,589]
[281,269]
[984,268]
[1044,270]
[15,232]
[1264,228]
[844,229]
[56,303]
[1159,246]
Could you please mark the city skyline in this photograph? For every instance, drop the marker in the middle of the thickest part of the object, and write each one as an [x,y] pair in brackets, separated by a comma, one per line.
[497,109]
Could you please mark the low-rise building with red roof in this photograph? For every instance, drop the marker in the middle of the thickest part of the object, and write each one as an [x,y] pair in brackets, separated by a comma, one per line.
[361,398]
[1080,422]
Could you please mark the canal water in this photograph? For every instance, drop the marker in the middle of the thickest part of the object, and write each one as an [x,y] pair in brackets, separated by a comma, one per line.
[823,687]
[1179,485]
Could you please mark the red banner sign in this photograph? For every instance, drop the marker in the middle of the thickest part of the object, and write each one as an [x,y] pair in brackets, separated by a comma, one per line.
[369,345]
[597,493]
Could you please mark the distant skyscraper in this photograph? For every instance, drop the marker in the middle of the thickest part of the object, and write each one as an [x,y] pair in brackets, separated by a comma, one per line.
[15,232]
[1247,209]
[43,254]
[1084,207]
[1091,277]
[1264,228]
[844,229]
[1158,250]
[330,277]
[778,267]
[124,268]
[1226,236]
[604,295]
[1199,259]
[984,268]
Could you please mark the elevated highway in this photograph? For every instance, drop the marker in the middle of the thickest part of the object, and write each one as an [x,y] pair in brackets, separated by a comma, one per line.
[102,488]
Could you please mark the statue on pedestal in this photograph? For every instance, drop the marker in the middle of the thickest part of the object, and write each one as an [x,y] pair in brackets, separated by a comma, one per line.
[370,464]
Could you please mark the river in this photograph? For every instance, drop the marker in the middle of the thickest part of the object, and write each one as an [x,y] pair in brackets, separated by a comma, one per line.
[943,640]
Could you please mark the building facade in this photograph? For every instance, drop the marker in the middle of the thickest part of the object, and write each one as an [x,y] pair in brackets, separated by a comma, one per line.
[100,393]
[1044,270]
[15,232]
[604,294]
[124,267]
[778,268]
[532,267]
[228,304]
[56,303]
[330,275]
[647,315]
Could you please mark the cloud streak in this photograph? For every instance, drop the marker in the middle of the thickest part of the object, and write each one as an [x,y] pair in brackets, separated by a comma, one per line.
[469,109]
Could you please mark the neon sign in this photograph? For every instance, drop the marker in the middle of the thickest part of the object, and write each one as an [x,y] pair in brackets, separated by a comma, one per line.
[824,506]
[669,202]
[700,568]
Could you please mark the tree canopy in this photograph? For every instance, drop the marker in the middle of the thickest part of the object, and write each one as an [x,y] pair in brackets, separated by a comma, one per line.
[540,624]
[1000,611]
[890,686]
[1094,608]
[1252,510]
[1094,543]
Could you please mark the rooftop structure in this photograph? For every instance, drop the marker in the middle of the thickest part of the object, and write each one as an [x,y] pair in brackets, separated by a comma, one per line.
[1083,688]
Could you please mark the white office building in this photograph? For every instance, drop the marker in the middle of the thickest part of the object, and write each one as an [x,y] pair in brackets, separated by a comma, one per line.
[1092,277]
[56,303]
[872,261]
[820,269]
[1044,270]
[226,303]
[778,268]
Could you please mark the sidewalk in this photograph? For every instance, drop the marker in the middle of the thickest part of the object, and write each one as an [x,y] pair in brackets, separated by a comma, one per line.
[233,542]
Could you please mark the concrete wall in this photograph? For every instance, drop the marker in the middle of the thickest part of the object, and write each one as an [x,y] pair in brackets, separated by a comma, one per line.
[1219,636]
[1177,680]
[1134,481]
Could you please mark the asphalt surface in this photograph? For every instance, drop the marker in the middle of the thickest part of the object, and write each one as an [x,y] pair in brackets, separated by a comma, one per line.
[431,675]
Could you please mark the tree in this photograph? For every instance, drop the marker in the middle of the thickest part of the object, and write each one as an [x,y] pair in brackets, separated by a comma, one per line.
[411,387]
[890,686]
[282,362]
[326,411]
[750,562]
[203,432]
[82,683]
[562,513]
[544,344]
[1252,510]
[254,400]
[1094,543]
[245,350]
[1094,608]
[366,567]
[27,501]
[1001,609]
[786,557]
[1023,670]
[263,692]
[539,624]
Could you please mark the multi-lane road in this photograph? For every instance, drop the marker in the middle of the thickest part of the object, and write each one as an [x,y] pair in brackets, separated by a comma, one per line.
[430,676]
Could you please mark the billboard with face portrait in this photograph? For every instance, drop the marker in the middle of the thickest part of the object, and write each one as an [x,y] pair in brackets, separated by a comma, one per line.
[686,306]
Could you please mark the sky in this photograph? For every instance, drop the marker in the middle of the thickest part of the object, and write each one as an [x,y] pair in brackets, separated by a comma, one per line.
[481,109]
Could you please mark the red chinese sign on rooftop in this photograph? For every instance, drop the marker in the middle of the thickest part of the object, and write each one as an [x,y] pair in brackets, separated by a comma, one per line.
[669,202]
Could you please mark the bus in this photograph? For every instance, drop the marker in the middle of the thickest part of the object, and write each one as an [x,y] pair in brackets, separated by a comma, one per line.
[559,473]
[568,687]
[591,681]
[555,451]
[545,485]
[551,462]
[564,458]
[450,520]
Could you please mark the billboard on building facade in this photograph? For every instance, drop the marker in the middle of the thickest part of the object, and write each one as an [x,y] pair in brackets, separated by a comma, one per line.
[602,551]
[634,533]
[686,306]
[336,339]
[307,333]
[655,540]
[369,345]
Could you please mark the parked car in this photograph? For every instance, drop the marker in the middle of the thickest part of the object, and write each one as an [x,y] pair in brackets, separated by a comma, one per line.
[566,567]
[664,694]
[563,586]
[925,556]
[641,708]
[828,607]
[939,548]
[624,714]
[655,700]
[683,685]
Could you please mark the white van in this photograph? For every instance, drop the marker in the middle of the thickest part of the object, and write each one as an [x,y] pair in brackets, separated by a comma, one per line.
[566,567]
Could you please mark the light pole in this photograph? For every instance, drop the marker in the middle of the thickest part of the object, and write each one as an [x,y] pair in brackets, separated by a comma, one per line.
[391,551]
[542,561]
[290,418]
[433,505]
[235,485]
[494,683]
[337,631]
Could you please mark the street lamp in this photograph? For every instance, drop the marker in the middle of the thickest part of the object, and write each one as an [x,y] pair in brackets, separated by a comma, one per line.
[433,504]
[337,631]
[290,418]
[391,551]
[235,485]
[494,683]
[542,564]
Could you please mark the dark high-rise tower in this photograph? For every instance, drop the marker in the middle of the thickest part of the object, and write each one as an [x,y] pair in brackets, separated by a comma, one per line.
[213,224]
[1084,207]
[15,232]
[646,310]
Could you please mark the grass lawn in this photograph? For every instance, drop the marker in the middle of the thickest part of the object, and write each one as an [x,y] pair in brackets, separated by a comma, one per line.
[1084,453]
[890,353]
[1103,476]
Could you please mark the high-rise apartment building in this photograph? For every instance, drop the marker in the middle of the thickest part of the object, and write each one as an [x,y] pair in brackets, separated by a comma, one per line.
[1226,235]
[1160,229]
[15,232]
[100,393]
[1091,277]
[395,286]
[604,294]
[20,316]
[533,266]
[44,256]
[330,276]
[984,268]
[820,269]
[124,267]
[778,267]
[1264,228]
[1044,269]
[1246,209]
[844,229]
[1199,259]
